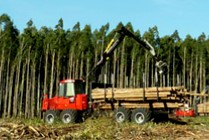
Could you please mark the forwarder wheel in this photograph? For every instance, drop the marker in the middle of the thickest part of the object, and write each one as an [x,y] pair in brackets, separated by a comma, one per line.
[68,116]
[141,115]
[122,115]
[49,116]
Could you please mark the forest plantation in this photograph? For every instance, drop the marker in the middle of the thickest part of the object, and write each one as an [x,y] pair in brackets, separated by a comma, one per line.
[33,61]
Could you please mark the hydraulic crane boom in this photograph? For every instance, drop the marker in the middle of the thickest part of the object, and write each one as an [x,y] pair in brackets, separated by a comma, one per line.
[117,40]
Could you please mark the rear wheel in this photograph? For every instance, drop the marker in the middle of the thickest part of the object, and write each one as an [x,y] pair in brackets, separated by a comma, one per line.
[141,115]
[68,116]
[122,115]
[49,116]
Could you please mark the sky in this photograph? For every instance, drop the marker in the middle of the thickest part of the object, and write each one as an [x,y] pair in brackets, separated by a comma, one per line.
[186,16]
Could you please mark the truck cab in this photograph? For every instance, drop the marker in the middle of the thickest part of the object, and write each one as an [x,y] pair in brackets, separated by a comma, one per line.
[70,99]
[71,96]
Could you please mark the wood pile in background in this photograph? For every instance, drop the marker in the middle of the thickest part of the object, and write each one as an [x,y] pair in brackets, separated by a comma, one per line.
[202,98]
[203,108]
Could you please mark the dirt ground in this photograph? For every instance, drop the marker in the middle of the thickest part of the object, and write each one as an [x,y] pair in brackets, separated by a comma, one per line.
[106,128]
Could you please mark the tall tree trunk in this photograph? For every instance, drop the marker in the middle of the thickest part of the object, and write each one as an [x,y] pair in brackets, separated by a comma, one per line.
[184,67]
[204,75]
[77,68]
[139,73]
[46,68]
[169,64]
[11,79]
[190,74]
[20,106]
[52,74]
[87,71]
[58,72]
[38,105]
[146,70]
[16,91]
[118,73]
[95,57]
[70,65]
[33,80]
[201,72]
[17,82]
[122,65]
[81,65]
[1,72]
[73,68]
[132,71]
[125,77]
[7,88]
[114,68]
[153,75]
[174,67]
[28,94]
[196,73]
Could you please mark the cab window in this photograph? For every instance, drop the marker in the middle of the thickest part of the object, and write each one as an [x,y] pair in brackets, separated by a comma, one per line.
[67,90]
[70,89]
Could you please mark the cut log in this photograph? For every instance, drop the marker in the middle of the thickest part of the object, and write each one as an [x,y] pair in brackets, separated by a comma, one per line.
[120,93]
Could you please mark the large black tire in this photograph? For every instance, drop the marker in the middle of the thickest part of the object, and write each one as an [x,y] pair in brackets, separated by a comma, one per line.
[122,114]
[141,115]
[68,116]
[50,116]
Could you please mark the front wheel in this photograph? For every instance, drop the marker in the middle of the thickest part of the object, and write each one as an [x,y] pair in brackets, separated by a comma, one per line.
[50,116]
[68,116]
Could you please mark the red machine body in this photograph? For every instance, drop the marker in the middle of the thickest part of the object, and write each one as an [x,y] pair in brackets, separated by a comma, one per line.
[78,102]
[182,112]
[71,96]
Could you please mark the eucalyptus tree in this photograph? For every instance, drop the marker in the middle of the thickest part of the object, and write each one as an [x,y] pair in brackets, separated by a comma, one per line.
[176,61]
[35,66]
[74,51]
[51,40]
[29,38]
[49,37]
[202,49]
[57,43]
[136,63]
[166,54]
[37,82]
[187,55]
[99,42]
[8,44]
[60,47]
[130,49]
[207,60]
[152,36]
[86,46]
[120,54]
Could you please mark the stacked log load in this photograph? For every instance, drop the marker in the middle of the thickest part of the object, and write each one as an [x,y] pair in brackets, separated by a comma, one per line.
[127,95]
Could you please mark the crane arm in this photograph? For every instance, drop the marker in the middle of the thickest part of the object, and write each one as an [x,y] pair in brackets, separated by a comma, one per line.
[117,40]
